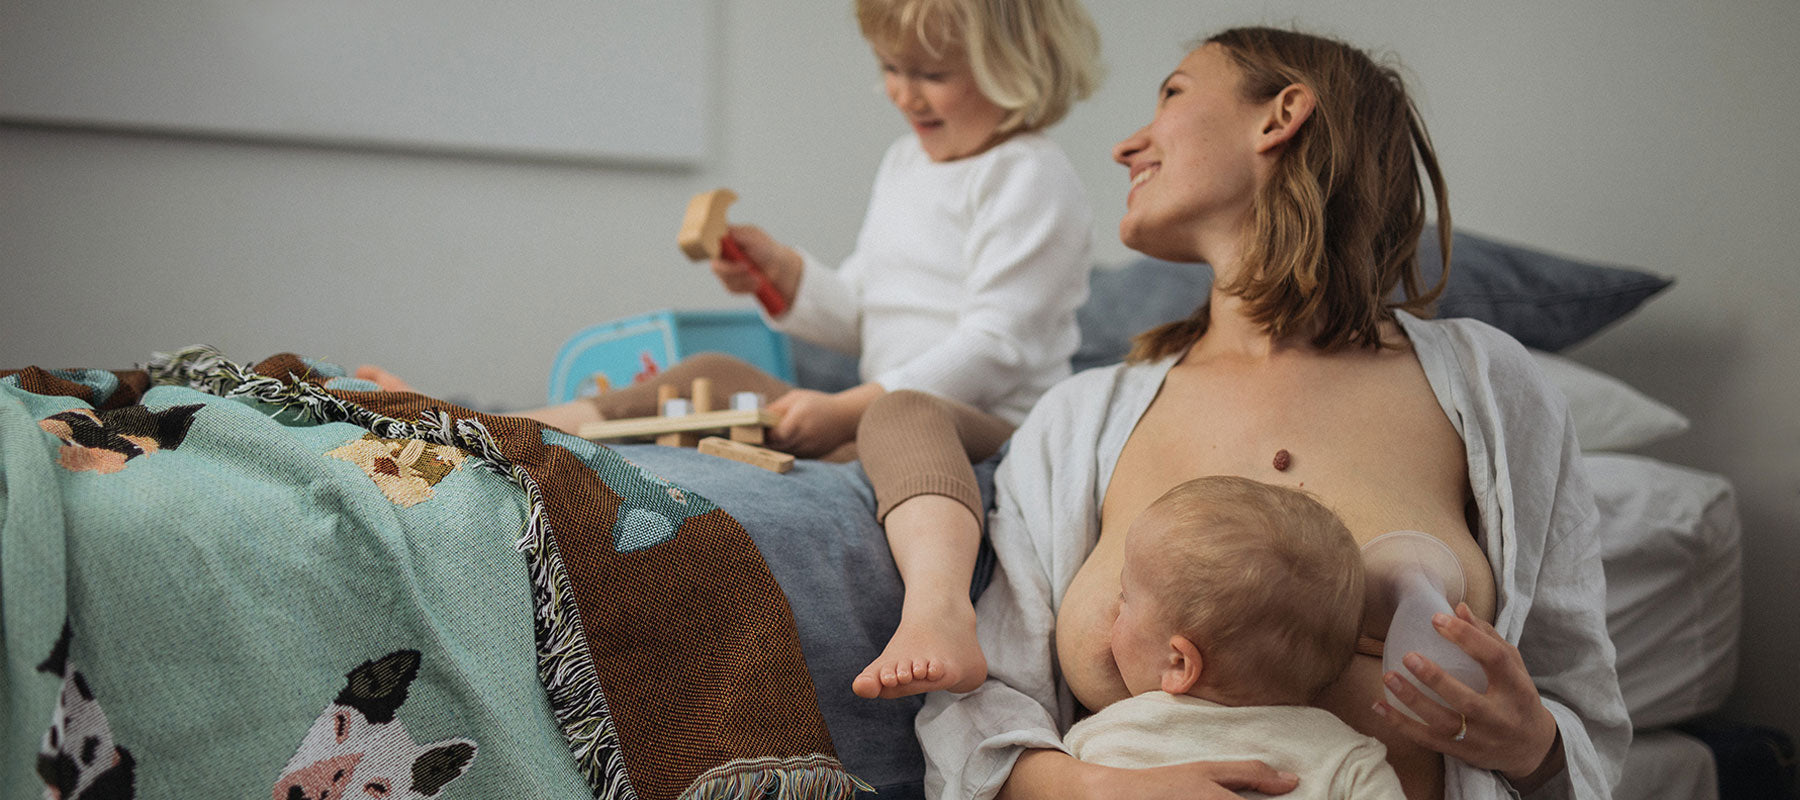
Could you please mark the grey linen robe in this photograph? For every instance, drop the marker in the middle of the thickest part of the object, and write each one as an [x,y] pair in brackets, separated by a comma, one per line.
[1537,520]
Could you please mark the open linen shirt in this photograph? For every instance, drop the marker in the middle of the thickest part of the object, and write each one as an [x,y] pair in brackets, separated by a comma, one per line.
[1537,520]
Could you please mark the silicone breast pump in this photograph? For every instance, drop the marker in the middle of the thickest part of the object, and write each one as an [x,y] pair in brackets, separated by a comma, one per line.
[1415,576]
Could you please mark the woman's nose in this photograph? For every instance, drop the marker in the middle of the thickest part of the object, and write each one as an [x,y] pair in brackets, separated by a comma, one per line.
[1133,144]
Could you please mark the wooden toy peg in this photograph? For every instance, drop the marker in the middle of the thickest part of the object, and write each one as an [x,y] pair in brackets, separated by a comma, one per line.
[701,393]
[748,434]
[703,235]
[665,394]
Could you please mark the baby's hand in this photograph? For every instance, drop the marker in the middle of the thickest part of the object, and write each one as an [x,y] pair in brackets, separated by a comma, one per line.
[782,264]
[813,423]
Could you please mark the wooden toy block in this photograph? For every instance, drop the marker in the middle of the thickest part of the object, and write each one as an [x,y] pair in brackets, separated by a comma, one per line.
[748,434]
[748,453]
[704,234]
[642,427]
[682,422]
[703,227]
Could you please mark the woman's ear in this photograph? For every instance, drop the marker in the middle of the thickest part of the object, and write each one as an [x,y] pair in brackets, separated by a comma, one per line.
[1181,666]
[1288,110]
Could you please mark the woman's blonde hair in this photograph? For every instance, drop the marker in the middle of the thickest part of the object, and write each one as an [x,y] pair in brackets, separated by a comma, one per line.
[1033,58]
[1337,227]
[1263,579]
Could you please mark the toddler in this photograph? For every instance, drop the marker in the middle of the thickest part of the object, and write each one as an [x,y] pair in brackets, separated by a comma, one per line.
[1239,601]
[959,299]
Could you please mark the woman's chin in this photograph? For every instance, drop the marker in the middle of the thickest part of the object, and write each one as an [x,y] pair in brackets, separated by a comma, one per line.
[1141,235]
[1159,248]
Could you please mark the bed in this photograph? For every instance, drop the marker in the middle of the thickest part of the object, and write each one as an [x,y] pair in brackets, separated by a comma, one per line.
[235,578]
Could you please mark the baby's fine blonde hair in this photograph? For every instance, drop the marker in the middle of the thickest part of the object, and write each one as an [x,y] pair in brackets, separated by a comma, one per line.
[1033,58]
[1265,580]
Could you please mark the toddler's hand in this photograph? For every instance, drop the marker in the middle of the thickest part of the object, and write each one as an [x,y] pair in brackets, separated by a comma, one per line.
[813,423]
[782,264]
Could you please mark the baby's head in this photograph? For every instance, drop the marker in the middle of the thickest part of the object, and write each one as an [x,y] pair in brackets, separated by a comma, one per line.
[1239,592]
[1032,58]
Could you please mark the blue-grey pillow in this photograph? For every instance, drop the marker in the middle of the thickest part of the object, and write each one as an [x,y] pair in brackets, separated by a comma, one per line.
[821,368]
[1127,301]
[1544,300]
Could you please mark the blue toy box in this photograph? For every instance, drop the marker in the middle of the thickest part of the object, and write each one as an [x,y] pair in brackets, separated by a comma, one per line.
[625,349]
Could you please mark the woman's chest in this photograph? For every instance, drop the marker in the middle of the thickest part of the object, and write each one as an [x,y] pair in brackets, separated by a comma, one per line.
[1373,444]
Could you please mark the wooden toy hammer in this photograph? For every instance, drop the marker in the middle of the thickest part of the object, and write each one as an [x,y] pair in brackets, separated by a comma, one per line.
[703,236]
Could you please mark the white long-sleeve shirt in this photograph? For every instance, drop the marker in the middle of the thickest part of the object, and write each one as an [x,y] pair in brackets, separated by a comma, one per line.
[1537,521]
[965,278]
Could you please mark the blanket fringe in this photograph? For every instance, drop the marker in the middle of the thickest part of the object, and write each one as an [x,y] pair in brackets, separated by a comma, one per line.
[811,777]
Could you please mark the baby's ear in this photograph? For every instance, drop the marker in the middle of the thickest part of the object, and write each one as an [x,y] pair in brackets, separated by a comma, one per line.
[1181,666]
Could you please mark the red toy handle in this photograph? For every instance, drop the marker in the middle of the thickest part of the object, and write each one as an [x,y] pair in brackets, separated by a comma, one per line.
[766,293]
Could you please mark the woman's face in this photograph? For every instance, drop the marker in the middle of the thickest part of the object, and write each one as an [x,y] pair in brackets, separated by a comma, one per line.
[1194,169]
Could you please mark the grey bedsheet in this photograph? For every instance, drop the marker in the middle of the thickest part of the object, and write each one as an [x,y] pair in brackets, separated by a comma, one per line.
[816,529]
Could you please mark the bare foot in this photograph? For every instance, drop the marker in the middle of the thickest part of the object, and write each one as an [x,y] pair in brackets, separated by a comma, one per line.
[927,652]
[388,381]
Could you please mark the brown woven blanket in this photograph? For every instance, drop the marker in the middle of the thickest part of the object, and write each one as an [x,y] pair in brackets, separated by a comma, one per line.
[666,648]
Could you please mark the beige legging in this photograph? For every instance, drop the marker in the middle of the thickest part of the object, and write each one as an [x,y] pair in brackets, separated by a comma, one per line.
[910,443]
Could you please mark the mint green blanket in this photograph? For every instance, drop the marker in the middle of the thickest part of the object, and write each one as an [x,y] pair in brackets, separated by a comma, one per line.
[246,585]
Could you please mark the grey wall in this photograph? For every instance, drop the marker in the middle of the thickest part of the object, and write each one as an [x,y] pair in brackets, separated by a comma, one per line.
[1656,134]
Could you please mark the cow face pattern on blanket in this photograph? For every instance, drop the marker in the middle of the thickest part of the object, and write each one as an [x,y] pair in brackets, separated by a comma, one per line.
[226,578]
[357,748]
[78,759]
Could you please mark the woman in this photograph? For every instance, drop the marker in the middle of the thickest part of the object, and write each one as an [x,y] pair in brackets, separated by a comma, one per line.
[1290,164]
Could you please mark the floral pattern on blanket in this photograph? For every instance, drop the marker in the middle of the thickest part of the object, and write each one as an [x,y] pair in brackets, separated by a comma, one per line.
[404,469]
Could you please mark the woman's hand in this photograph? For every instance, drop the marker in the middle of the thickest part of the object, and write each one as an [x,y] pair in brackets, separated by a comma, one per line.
[815,423]
[1055,774]
[782,264]
[1507,728]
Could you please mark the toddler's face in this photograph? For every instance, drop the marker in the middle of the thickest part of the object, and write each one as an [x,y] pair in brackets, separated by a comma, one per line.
[1141,631]
[941,102]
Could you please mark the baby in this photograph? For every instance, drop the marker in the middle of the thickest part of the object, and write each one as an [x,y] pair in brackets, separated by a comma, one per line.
[1239,601]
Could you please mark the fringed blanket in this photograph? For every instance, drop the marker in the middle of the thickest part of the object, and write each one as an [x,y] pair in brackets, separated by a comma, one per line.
[197,558]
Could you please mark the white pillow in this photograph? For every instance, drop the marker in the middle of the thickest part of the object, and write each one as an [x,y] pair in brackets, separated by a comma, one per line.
[1609,414]
[1671,544]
